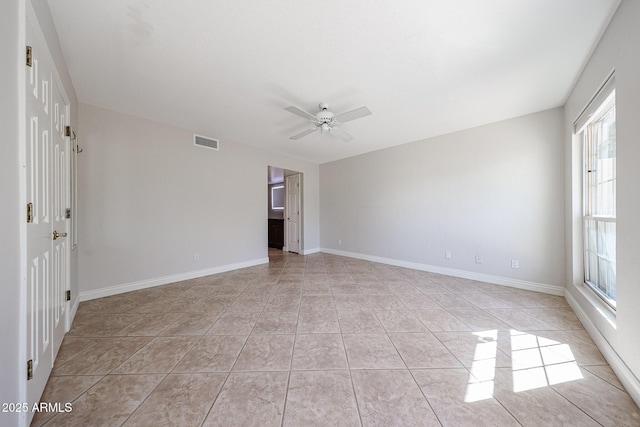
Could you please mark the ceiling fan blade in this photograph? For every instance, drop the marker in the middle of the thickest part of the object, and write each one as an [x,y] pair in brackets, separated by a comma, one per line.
[353,114]
[342,134]
[303,133]
[301,113]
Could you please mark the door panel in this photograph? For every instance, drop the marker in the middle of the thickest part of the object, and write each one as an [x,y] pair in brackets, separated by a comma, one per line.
[61,187]
[292,185]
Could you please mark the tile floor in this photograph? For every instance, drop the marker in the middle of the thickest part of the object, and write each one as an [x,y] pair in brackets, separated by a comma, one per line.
[332,341]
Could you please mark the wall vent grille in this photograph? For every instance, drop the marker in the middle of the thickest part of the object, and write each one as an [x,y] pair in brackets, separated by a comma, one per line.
[203,141]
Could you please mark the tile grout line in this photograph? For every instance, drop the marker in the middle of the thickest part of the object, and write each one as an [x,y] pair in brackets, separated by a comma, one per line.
[215,399]
[353,387]
[576,406]
[169,373]
[293,349]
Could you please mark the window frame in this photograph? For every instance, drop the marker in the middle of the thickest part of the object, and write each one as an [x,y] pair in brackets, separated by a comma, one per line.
[273,197]
[599,106]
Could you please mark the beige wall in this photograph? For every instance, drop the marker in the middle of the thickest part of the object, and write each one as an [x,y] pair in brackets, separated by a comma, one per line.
[494,191]
[149,200]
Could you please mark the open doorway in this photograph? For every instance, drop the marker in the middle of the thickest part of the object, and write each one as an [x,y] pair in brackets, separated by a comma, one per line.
[285,209]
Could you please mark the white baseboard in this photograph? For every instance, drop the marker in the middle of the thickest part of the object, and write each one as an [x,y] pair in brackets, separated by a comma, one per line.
[496,280]
[143,284]
[625,375]
[310,251]
[72,312]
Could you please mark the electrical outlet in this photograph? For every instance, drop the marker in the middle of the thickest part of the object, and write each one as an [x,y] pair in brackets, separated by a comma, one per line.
[447,254]
[515,263]
[478,259]
[196,257]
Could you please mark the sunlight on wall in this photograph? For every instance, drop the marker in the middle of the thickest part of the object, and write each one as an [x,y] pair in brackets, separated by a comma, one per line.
[536,362]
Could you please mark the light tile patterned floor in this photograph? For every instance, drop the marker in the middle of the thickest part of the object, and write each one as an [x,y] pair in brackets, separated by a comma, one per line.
[325,340]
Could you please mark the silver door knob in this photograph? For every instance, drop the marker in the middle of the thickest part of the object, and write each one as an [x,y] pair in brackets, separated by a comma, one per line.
[56,235]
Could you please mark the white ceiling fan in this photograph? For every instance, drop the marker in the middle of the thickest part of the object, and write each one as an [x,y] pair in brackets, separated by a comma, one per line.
[325,121]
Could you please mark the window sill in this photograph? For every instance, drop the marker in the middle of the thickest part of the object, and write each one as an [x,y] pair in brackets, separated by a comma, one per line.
[604,309]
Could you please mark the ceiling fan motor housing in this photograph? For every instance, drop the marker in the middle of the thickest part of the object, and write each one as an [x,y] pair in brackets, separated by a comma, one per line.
[325,116]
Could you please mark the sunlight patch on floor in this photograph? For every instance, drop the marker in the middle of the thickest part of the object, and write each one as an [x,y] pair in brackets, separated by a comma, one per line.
[536,362]
[483,367]
[539,362]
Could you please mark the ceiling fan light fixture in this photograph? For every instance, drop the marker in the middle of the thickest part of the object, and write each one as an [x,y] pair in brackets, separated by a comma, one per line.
[325,127]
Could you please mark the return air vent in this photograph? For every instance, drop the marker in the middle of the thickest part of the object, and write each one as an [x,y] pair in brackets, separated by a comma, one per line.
[202,141]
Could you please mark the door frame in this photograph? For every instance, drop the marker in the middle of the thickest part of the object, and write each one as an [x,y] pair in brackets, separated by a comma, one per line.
[272,178]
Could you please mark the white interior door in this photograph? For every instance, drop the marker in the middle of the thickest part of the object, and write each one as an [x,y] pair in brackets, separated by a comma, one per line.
[292,213]
[61,200]
[39,231]
[47,181]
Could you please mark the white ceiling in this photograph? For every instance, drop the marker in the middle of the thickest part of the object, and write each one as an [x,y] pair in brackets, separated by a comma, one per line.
[227,69]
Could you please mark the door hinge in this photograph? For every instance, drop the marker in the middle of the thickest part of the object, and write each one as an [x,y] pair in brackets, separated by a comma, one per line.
[29,56]
[29,369]
[68,295]
[67,213]
[67,131]
[29,213]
